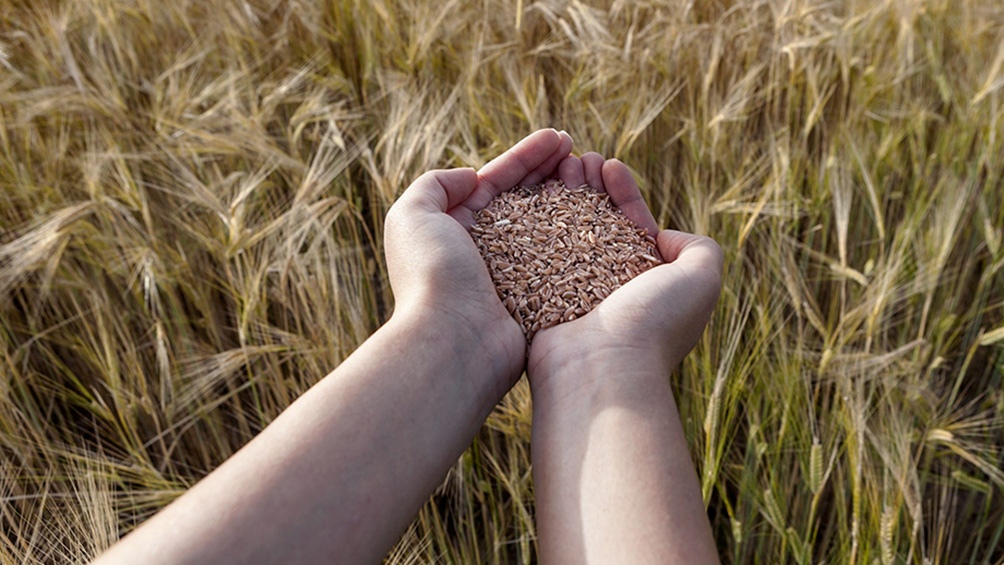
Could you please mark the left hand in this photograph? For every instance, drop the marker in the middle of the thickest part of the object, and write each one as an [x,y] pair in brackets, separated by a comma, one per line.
[433,264]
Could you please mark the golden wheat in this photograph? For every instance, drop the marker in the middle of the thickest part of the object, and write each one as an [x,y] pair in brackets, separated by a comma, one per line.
[192,197]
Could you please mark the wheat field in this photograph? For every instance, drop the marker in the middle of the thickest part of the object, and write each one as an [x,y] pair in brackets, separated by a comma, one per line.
[191,204]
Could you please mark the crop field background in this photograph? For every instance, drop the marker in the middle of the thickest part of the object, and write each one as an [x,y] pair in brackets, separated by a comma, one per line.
[191,203]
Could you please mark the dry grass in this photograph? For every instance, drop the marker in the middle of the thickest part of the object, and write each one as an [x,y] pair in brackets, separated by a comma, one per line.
[554,253]
[192,197]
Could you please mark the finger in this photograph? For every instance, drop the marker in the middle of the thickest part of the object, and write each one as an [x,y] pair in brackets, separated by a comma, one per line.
[440,190]
[691,251]
[571,173]
[626,195]
[510,168]
[592,164]
[547,168]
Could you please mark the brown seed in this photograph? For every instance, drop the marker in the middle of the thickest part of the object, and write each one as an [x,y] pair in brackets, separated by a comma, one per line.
[554,253]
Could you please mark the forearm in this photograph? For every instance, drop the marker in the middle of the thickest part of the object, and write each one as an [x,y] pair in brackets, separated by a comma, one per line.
[613,478]
[339,475]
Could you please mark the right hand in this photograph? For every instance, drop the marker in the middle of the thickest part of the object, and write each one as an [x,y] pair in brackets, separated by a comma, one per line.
[657,317]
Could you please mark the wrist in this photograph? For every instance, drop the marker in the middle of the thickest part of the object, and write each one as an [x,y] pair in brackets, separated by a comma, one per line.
[588,375]
[491,357]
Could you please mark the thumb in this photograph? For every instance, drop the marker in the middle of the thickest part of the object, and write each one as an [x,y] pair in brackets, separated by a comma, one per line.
[690,251]
[440,190]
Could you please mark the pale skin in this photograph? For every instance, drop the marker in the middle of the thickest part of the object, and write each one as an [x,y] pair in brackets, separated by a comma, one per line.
[614,482]
[340,474]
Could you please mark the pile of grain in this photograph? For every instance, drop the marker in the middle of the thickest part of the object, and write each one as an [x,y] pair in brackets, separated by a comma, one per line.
[554,253]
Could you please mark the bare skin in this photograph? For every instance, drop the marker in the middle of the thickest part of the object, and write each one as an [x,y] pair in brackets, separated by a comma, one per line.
[614,482]
[340,474]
